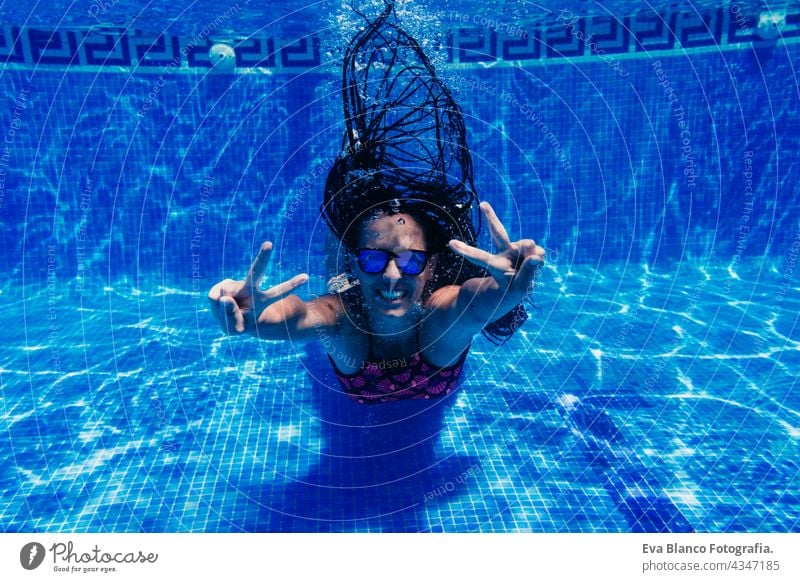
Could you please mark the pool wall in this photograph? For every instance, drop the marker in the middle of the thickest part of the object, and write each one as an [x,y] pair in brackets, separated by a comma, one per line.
[660,149]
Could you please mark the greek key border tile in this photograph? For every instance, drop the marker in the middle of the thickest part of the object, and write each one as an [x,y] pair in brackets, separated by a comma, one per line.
[577,38]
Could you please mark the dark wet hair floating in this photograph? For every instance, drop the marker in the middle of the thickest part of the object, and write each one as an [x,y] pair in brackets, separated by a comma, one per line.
[405,150]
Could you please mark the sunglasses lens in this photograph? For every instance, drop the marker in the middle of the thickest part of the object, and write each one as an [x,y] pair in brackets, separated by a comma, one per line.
[411,262]
[372,261]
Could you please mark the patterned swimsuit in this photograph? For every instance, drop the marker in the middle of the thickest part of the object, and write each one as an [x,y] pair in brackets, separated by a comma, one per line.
[417,379]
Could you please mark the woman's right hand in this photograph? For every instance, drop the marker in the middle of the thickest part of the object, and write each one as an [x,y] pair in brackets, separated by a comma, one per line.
[237,305]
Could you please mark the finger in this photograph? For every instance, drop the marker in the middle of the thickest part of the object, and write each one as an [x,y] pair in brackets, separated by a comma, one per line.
[496,228]
[285,288]
[225,287]
[217,292]
[259,266]
[536,251]
[528,271]
[528,247]
[472,254]
[231,316]
[533,262]
[213,299]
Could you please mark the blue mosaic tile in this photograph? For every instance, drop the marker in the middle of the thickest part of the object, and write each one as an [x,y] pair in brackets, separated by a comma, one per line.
[654,387]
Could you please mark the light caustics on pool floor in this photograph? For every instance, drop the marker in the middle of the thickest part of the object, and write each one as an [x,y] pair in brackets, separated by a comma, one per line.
[632,401]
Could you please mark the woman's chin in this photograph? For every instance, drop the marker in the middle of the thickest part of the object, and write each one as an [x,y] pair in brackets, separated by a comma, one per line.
[394,307]
[388,311]
[393,311]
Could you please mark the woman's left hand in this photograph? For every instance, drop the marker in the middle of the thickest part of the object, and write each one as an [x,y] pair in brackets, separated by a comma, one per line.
[514,266]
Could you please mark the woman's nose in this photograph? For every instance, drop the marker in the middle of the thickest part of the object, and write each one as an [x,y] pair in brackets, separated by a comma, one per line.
[392,271]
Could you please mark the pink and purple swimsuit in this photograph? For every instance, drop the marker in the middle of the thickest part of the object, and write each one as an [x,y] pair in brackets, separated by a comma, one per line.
[418,379]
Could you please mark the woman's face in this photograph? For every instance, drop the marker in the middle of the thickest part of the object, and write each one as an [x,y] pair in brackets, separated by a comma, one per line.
[390,293]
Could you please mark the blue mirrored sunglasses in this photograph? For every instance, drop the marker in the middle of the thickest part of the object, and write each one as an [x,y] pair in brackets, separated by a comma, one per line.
[409,262]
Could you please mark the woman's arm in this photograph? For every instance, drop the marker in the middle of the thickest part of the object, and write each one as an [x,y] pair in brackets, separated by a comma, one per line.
[481,301]
[459,312]
[291,318]
[274,314]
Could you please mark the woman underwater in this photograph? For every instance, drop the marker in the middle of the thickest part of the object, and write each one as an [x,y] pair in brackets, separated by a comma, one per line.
[400,201]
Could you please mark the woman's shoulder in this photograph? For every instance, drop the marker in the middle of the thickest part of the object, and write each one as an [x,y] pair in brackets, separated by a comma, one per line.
[446,333]
[443,297]
[346,342]
[328,300]
[337,310]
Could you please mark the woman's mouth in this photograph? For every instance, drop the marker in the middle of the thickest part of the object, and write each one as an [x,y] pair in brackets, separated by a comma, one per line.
[395,296]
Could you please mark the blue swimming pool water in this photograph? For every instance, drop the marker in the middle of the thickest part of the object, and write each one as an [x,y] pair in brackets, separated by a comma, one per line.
[650,403]
[653,389]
